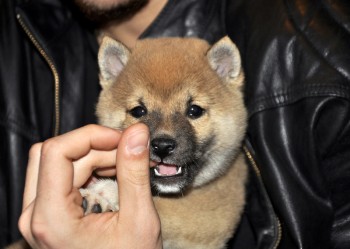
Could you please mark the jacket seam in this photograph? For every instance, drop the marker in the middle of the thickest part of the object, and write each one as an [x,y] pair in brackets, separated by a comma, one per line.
[298,93]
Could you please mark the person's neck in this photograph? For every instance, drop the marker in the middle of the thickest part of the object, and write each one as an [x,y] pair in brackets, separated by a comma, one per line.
[129,31]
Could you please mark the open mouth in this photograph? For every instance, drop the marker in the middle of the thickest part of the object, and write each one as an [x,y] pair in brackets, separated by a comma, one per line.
[167,170]
[168,178]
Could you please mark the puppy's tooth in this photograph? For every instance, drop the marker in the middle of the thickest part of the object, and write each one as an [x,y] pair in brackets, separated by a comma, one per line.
[96,208]
[84,205]
[156,171]
[179,170]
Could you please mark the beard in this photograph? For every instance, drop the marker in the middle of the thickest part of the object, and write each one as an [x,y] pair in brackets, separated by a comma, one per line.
[117,12]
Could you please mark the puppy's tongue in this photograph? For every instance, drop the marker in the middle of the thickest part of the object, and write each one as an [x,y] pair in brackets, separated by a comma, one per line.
[167,169]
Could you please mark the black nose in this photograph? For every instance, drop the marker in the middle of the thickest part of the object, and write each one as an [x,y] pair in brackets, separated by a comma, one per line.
[163,147]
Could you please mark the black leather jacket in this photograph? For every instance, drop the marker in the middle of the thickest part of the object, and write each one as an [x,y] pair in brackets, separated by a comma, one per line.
[296,55]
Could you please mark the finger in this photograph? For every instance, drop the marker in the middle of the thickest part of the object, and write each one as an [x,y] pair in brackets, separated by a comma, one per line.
[108,171]
[56,168]
[133,172]
[102,161]
[30,187]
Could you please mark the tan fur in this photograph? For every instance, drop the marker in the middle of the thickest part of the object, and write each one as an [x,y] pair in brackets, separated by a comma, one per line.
[207,216]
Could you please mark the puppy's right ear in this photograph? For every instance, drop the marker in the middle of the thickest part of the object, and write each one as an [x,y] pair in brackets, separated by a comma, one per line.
[112,58]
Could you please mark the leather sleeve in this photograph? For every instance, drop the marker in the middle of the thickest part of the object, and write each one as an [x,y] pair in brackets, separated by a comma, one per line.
[332,137]
[15,136]
[305,167]
[296,57]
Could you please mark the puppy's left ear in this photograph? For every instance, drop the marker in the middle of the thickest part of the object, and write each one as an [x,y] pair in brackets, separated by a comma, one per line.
[112,58]
[225,60]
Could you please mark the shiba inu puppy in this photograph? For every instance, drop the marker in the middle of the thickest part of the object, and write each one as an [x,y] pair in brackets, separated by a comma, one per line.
[189,94]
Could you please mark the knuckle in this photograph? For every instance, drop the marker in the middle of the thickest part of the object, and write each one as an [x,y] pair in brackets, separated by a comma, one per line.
[39,231]
[49,146]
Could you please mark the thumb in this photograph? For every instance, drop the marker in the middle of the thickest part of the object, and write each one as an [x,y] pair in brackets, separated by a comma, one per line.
[133,173]
[137,213]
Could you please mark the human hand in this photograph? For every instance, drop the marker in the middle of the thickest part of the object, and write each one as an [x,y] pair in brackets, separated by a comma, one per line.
[52,215]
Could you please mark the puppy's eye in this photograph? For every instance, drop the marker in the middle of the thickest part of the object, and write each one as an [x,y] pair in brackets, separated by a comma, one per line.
[138,111]
[195,111]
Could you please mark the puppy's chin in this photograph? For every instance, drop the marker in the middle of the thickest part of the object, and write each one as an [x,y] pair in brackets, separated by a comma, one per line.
[167,189]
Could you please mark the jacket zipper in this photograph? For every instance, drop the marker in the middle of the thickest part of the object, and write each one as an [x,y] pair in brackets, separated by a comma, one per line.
[53,70]
[257,172]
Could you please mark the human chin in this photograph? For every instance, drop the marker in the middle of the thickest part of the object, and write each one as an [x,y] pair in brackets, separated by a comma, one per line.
[101,4]
[101,12]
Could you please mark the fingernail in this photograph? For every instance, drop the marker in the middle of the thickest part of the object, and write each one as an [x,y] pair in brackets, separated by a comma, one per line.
[137,142]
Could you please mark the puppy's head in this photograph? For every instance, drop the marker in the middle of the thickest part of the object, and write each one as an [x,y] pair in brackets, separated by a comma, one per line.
[189,95]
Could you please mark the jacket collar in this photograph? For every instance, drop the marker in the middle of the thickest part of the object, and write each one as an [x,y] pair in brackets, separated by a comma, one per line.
[191,18]
[47,20]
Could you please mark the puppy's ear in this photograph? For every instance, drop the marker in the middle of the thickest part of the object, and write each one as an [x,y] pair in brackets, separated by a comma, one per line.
[112,58]
[225,60]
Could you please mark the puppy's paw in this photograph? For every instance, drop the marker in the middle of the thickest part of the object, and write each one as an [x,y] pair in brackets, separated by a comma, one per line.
[100,197]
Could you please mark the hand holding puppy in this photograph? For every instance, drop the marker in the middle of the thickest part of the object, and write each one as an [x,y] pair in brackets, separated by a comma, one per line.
[52,215]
